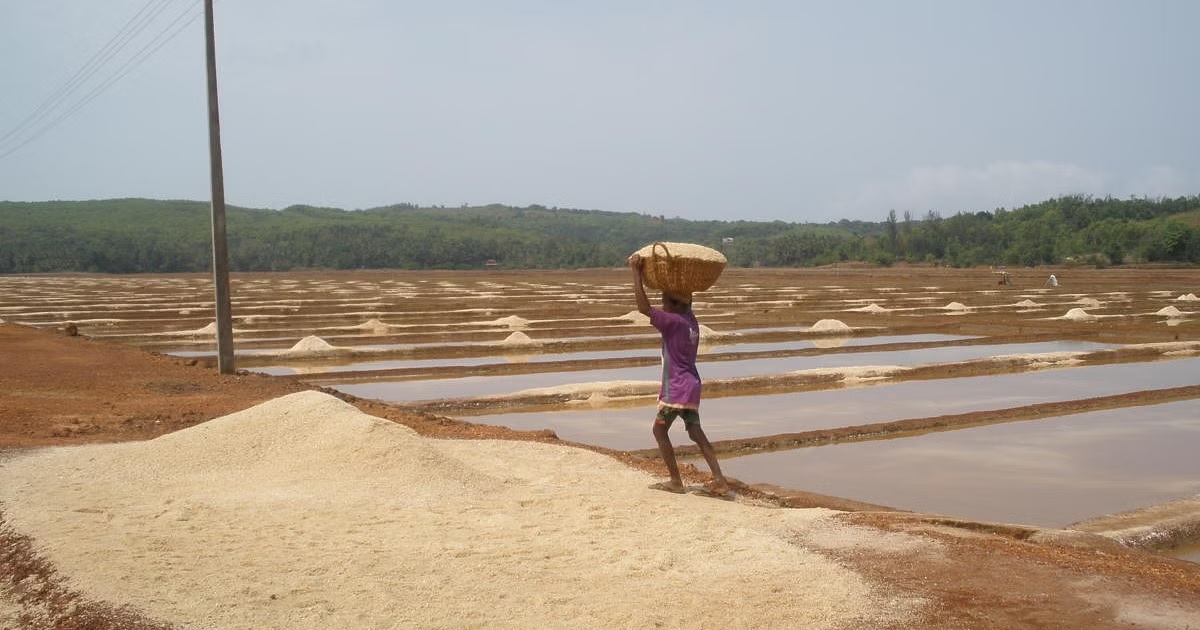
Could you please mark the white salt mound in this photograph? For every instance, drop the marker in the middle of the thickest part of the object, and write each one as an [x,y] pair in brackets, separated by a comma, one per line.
[829,325]
[312,343]
[871,308]
[1190,297]
[303,436]
[374,325]
[512,321]
[955,306]
[1026,302]
[1079,315]
[1169,311]
[210,329]
[518,338]
[635,317]
[303,512]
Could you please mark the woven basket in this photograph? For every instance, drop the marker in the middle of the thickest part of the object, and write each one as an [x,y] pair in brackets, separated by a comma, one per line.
[680,267]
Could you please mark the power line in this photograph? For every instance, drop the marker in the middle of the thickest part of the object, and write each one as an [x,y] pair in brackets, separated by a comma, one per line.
[114,45]
[128,66]
[132,29]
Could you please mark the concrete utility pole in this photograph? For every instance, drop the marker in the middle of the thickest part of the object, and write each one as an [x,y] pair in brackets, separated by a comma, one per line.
[220,251]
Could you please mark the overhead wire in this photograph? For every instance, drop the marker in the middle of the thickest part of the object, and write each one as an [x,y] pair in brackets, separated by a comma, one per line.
[135,25]
[131,30]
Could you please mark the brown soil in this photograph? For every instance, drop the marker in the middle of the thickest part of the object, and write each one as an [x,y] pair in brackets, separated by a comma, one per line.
[57,389]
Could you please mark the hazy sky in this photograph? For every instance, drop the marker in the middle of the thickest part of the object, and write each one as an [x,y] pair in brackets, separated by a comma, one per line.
[792,110]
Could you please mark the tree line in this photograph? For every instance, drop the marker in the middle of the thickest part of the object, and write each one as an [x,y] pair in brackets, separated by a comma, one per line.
[163,236]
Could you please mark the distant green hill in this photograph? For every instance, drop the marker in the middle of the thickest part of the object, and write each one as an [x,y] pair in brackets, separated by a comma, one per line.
[156,236]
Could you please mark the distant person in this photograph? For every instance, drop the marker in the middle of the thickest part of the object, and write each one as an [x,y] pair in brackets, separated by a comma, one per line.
[679,394]
[1052,281]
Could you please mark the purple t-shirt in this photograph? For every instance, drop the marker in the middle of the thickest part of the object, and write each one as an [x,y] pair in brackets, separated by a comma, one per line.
[680,341]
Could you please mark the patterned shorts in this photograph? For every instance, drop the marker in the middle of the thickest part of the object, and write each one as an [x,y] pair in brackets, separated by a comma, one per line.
[666,415]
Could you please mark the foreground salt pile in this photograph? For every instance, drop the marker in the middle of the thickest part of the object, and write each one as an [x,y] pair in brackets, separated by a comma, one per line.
[304,512]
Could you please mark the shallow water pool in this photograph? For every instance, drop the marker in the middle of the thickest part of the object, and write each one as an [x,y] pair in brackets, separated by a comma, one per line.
[1049,472]
[627,428]
[473,386]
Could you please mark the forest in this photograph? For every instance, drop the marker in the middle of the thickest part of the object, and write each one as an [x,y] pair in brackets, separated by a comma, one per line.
[165,236]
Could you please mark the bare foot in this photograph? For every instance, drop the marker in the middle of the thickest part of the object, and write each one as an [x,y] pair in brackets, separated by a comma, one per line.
[667,486]
[727,495]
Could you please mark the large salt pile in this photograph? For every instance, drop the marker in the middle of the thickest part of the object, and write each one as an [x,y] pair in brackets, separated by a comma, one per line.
[1169,311]
[830,325]
[313,345]
[512,321]
[1079,315]
[1190,297]
[303,512]
[519,338]
[955,306]
[374,326]
[210,329]
[636,317]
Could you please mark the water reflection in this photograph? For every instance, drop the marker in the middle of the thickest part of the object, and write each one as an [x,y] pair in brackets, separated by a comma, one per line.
[1049,472]
[497,385]
[393,364]
[749,416]
[823,342]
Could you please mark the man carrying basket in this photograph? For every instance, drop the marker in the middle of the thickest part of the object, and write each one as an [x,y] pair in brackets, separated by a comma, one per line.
[679,394]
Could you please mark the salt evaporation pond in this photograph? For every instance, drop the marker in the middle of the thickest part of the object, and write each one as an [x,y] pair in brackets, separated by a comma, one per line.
[399,364]
[734,417]
[833,341]
[473,386]
[1049,472]
[534,355]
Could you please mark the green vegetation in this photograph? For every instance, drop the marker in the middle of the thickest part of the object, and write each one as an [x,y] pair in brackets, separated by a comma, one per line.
[153,236]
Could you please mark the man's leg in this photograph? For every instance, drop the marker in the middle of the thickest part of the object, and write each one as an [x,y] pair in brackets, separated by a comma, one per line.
[710,456]
[661,427]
